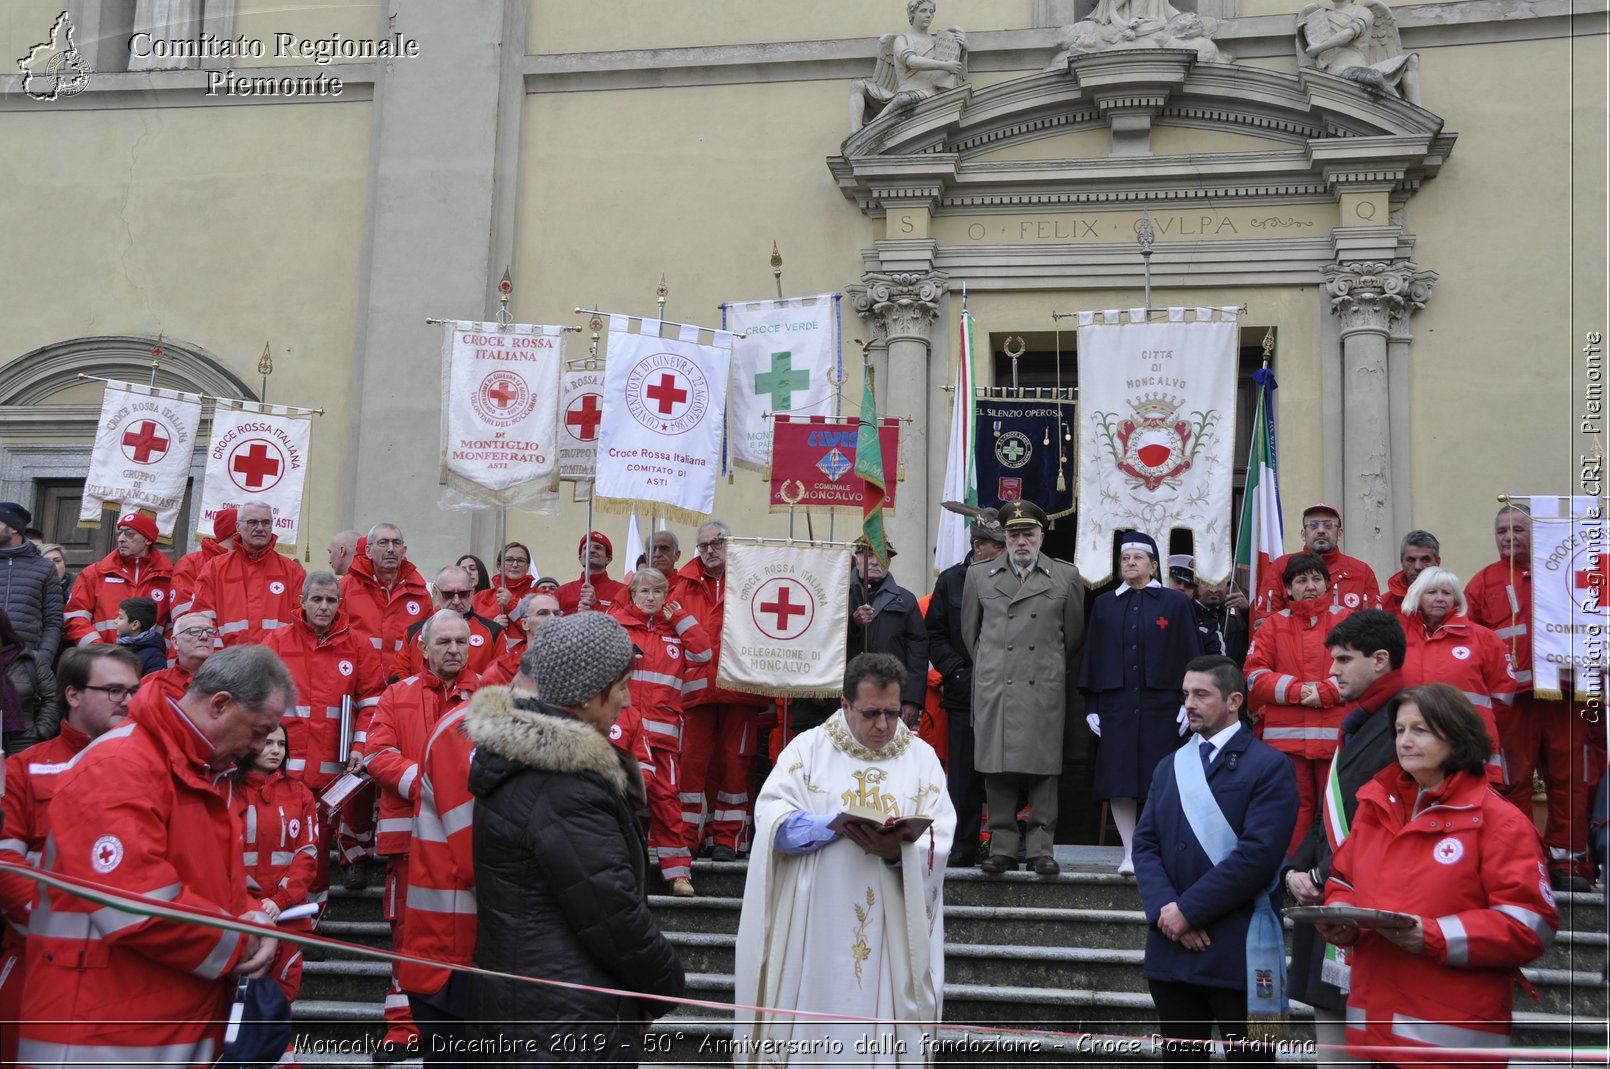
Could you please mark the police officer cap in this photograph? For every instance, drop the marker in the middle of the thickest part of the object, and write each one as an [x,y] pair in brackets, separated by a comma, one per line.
[987,526]
[1021,514]
[1182,566]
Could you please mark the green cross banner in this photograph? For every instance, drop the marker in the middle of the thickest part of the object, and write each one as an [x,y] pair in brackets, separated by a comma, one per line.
[781,382]
[785,363]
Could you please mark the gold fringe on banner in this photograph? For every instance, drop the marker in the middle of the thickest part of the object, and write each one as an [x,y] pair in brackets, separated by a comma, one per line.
[774,691]
[622,506]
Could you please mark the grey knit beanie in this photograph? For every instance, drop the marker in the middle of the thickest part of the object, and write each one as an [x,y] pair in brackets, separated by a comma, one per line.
[578,656]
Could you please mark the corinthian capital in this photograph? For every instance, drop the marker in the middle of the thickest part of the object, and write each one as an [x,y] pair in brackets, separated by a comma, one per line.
[1377,296]
[900,306]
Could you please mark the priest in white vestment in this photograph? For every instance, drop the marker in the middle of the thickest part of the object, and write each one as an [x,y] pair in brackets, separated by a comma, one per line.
[849,924]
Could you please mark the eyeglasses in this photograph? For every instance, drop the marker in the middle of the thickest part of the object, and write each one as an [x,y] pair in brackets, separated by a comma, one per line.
[712,544]
[446,594]
[388,543]
[115,692]
[547,612]
[875,714]
[1320,525]
[516,560]
[200,632]
[255,523]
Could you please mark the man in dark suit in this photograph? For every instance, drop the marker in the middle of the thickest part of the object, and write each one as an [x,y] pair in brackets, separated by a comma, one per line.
[1208,848]
[1367,651]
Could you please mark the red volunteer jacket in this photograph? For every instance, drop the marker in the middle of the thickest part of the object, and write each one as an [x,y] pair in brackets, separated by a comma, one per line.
[1469,657]
[248,596]
[326,670]
[485,602]
[395,741]
[187,573]
[700,593]
[279,836]
[1471,865]
[1288,650]
[439,921]
[410,660]
[138,811]
[673,651]
[1353,585]
[1501,601]
[607,593]
[380,615]
[1397,588]
[91,613]
[157,688]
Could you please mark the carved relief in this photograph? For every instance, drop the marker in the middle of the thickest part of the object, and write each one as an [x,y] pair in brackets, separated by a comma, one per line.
[900,306]
[1117,25]
[1377,296]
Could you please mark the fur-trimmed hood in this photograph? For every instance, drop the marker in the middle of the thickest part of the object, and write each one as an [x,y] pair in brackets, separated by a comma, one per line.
[526,732]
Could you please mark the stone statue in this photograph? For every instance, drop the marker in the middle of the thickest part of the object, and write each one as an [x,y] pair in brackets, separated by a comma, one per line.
[912,67]
[1119,25]
[1358,41]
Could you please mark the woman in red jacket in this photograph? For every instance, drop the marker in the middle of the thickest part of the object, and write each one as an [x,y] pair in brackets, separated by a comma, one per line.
[1447,646]
[1291,690]
[512,583]
[281,844]
[674,645]
[1431,840]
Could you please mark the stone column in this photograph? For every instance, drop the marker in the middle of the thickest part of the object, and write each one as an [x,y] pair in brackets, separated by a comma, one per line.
[1399,335]
[903,309]
[1368,297]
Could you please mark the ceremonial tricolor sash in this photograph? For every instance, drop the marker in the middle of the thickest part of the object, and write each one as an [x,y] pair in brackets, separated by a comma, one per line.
[1266,942]
[1336,968]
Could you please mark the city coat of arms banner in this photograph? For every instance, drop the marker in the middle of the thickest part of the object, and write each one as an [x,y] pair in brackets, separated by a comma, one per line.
[784,364]
[143,446]
[500,415]
[258,453]
[1156,434]
[1022,452]
[660,439]
[783,628]
[813,462]
[1570,595]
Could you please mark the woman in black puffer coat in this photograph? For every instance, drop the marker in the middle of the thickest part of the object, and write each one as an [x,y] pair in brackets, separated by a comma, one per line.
[27,692]
[560,861]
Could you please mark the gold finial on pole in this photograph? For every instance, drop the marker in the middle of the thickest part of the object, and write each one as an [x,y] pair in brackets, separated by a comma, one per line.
[777,268]
[660,293]
[265,368]
[156,359]
[505,291]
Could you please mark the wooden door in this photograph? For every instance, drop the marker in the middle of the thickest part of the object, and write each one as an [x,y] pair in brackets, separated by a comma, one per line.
[57,516]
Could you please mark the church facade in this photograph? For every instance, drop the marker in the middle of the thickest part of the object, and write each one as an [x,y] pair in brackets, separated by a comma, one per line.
[285,207]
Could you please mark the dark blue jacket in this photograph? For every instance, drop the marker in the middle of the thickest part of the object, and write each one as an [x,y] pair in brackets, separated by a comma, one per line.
[1168,640]
[1257,790]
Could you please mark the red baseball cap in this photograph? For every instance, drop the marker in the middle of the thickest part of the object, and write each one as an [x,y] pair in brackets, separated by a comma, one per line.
[600,539]
[140,524]
[1322,507]
[223,525]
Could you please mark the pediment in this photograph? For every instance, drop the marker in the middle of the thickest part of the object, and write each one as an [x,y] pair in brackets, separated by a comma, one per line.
[1142,125]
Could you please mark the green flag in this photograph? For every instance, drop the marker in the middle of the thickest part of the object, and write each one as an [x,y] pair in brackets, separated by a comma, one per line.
[869,466]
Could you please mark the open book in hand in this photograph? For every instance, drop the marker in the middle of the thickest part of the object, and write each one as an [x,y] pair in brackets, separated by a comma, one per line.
[909,828]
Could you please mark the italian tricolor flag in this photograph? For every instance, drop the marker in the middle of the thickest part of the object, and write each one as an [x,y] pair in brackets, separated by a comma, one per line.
[1261,539]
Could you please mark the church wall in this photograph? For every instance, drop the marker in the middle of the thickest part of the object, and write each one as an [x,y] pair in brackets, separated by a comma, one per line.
[224,228]
[23,24]
[262,20]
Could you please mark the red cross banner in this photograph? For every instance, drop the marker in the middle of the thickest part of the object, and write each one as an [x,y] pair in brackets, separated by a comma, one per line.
[813,463]
[581,400]
[144,445]
[500,415]
[1570,595]
[1156,433]
[785,364]
[660,439]
[785,615]
[258,454]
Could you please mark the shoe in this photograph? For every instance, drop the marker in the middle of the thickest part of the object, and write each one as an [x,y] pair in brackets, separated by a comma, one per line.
[723,853]
[1569,881]
[1045,865]
[681,887]
[357,877]
[996,864]
[390,1051]
[1126,867]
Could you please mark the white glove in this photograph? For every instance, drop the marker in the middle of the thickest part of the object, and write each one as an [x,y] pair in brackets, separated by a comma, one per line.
[1182,720]
[1094,720]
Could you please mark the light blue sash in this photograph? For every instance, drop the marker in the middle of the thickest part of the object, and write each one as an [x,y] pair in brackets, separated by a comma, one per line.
[1266,941]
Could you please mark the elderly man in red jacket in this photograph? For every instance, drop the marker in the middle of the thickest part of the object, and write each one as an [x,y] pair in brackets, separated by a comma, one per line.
[719,727]
[135,569]
[383,593]
[140,812]
[253,590]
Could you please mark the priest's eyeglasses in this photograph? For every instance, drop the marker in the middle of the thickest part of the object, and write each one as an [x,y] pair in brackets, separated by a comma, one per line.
[872,715]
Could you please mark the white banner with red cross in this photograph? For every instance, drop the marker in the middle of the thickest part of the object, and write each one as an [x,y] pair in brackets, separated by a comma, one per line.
[500,415]
[786,619]
[660,437]
[581,399]
[143,446]
[1570,595]
[785,363]
[258,455]
[1156,434]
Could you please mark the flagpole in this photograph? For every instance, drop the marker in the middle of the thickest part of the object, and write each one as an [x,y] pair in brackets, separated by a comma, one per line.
[156,360]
